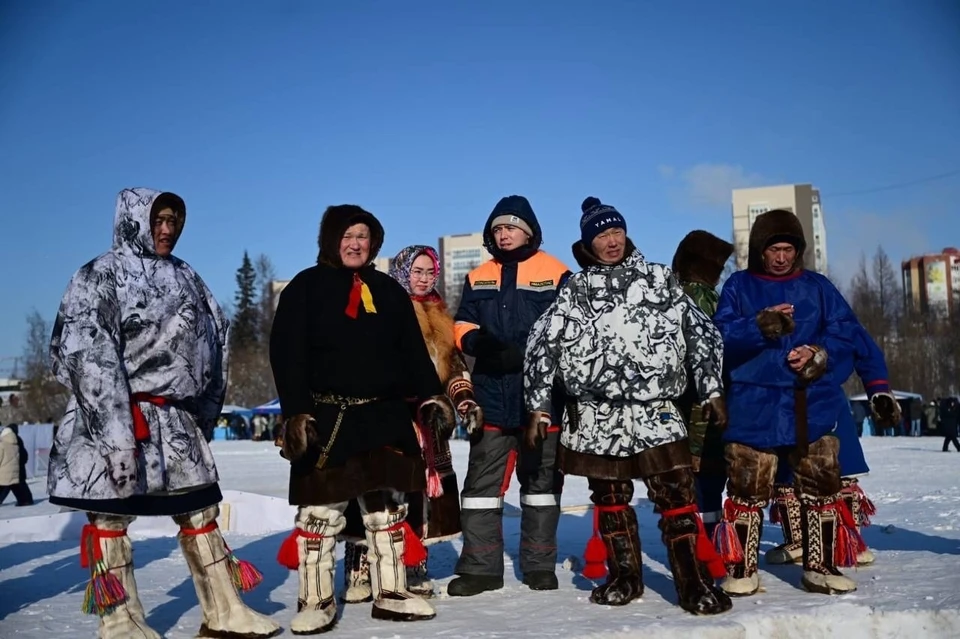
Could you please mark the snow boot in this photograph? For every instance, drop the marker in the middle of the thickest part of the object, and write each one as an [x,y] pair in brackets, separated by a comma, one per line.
[737,539]
[388,576]
[693,560]
[861,508]
[786,509]
[217,575]
[356,574]
[618,530]
[541,580]
[418,580]
[313,545]
[470,585]
[112,594]
[820,529]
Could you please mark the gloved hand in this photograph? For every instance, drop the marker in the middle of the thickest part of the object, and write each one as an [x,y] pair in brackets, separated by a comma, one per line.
[299,435]
[436,414]
[536,430]
[715,409]
[886,410]
[122,470]
[496,356]
[471,415]
[776,321]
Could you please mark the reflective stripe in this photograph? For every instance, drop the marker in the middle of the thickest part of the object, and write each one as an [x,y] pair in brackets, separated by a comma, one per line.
[481,503]
[712,518]
[540,500]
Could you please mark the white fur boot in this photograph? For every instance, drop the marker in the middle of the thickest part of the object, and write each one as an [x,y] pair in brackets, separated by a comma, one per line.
[388,575]
[212,566]
[109,551]
[418,580]
[316,541]
[356,574]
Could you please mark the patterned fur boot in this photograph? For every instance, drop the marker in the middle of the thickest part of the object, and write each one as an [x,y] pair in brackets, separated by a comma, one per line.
[820,529]
[418,580]
[108,552]
[388,576]
[618,529]
[862,509]
[216,575]
[689,550]
[738,542]
[786,508]
[313,543]
[356,574]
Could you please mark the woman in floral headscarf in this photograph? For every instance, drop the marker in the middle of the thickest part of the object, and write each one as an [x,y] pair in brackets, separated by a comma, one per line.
[435,515]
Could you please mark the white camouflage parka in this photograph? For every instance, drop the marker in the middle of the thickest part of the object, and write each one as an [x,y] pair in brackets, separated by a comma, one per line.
[133,322]
[622,339]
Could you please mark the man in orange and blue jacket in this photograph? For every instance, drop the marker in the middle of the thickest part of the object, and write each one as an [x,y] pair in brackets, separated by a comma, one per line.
[501,300]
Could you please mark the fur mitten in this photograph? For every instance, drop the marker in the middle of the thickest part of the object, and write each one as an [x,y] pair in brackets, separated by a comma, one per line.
[299,435]
[885,409]
[774,324]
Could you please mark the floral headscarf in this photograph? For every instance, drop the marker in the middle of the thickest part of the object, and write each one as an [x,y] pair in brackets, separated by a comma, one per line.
[403,262]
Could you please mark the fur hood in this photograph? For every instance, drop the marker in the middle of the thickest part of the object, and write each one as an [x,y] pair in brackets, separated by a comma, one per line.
[335,222]
[700,257]
[772,227]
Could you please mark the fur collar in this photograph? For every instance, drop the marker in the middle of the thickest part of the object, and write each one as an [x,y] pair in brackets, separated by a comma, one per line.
[436,324]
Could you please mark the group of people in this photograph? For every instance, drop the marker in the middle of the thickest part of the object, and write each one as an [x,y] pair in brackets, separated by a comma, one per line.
[623,370]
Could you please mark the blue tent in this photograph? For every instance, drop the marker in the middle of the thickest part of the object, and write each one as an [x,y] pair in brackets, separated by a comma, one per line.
[270,408]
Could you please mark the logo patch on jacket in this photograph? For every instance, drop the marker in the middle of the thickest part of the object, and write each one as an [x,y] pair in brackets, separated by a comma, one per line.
[485,284]
[542,284]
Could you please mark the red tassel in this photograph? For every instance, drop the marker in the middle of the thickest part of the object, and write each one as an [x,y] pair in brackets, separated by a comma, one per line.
[105,591]
[595,554]
[414,552]
[705,551]
[848,543]
[867,507]
[289,553]
[725,538]
[353,302]
[245,575]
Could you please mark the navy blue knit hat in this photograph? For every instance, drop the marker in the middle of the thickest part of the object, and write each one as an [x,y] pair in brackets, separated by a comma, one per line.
[597,218]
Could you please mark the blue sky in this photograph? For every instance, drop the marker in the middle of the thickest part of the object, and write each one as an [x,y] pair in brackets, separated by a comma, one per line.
[426,113]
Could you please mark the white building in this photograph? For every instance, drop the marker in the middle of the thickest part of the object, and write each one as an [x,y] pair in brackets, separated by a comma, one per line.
[459,254]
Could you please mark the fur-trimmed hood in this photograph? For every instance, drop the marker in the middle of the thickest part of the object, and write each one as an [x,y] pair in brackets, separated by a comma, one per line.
[335,222]
[770,228]
[700,257]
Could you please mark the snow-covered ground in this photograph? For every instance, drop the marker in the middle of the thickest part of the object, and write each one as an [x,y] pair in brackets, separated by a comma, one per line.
[913,590]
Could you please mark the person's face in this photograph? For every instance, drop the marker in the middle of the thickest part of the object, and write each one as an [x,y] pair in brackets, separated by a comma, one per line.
[509,237]
[423,275]
[610,246]
[779,258]
[355,246]
[165,225]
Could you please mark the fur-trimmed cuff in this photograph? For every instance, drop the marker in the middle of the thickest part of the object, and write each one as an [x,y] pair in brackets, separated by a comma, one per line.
[437,414]
[459,390]
[816,366]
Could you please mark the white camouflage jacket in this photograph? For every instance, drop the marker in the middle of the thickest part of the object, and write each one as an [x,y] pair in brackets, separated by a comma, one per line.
[132,322]
[621,339]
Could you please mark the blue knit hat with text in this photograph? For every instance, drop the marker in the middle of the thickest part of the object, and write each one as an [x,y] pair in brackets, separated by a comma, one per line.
[597,218]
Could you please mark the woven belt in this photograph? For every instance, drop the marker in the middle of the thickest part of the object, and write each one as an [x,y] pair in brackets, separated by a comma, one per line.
[344,403]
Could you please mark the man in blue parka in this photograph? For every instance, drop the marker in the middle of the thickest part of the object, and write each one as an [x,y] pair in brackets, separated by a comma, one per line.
[783,329]
[870,366]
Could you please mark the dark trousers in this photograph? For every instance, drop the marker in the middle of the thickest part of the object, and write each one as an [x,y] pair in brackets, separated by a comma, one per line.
[493,458]
[21,491]
[947,440]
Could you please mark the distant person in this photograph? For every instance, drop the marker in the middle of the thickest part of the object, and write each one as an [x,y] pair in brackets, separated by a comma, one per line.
[139,341]
[950,422]
[13,467]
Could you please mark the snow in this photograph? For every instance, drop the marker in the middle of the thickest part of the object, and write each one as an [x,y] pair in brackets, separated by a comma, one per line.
[912,591]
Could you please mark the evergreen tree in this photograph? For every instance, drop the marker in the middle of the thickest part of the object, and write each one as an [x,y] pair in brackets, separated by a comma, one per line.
[245,331]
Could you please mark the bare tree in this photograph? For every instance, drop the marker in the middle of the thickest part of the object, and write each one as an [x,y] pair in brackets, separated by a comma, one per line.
[43,397]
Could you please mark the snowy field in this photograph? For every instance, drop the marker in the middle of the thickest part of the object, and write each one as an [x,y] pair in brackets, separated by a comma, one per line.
[913,591]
